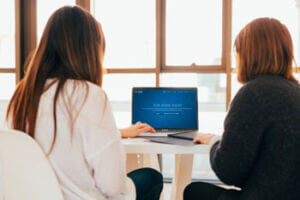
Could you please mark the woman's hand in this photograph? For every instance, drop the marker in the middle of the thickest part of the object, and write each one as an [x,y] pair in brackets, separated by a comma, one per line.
[203,138]
[136,130]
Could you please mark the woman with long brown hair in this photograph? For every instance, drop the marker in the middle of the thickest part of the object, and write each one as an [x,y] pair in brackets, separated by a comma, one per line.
[60,103]
[259,150]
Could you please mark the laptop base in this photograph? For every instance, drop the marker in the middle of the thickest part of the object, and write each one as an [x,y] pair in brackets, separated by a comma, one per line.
[164,133]
[172,141]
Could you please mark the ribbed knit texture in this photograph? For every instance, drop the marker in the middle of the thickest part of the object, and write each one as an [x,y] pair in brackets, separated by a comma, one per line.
[260,148]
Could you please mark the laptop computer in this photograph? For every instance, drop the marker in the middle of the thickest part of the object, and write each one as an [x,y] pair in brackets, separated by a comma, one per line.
[167,110]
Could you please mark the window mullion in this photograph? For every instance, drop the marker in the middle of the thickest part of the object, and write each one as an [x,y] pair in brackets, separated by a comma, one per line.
[226,46]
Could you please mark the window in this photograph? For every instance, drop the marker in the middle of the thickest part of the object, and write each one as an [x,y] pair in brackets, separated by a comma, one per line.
[7,34]
[7,48]
[7,82]
[287,11]
[193,32]
[129,30]
[118,86]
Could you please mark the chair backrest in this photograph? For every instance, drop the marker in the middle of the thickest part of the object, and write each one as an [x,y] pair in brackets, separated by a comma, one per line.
[25,172]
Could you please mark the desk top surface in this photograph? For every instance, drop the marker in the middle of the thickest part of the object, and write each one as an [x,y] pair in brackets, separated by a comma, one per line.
[143,146]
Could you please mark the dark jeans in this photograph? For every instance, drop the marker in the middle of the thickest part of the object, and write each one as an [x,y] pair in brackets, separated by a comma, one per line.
[148,183]
[203,191]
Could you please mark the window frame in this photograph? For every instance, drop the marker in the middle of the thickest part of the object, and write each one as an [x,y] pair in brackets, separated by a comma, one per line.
[161,67]
[26,42]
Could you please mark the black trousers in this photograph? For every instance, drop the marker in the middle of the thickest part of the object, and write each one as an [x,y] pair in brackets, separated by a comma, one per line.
[202,191]
[148,183]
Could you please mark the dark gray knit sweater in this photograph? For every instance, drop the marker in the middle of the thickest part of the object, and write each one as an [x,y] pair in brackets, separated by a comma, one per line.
[260,148]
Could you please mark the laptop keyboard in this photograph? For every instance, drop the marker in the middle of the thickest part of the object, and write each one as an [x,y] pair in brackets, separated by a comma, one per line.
[161,133]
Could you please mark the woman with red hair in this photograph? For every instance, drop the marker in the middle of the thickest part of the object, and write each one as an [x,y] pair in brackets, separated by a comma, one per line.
[259,150]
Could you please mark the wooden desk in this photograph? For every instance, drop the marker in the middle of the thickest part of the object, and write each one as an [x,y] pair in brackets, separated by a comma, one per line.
[141,153]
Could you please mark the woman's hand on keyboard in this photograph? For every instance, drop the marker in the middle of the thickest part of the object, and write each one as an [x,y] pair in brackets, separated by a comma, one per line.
[203,138]
[136,129]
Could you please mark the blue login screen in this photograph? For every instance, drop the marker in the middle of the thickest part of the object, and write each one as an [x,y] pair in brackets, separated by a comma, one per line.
[166,108]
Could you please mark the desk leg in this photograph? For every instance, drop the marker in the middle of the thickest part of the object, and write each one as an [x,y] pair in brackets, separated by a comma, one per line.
[182,176]
[133,162]
[136,161]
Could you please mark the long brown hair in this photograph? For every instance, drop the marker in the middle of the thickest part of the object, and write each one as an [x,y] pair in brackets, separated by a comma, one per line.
[264,46]
[71,47]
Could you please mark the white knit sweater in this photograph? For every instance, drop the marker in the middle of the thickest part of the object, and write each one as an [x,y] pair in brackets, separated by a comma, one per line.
[88,157]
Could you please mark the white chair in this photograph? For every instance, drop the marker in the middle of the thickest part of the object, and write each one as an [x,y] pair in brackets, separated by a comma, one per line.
[25,172]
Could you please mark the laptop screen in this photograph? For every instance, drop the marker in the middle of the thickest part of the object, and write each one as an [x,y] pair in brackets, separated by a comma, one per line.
[165,108]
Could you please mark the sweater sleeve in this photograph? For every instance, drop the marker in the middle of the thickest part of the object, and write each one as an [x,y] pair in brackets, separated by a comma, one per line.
[102,146]
[109,170]
[233,157]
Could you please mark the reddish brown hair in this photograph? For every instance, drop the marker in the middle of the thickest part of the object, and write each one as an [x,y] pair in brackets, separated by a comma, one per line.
[71,47]
[264,46]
